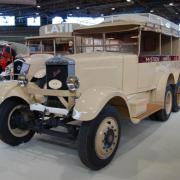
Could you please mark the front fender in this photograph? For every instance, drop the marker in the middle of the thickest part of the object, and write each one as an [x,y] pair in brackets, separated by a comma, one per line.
[92,101]
[13,89]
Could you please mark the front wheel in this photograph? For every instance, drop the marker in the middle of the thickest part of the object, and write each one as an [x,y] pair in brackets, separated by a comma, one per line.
[13,114]
[99,139]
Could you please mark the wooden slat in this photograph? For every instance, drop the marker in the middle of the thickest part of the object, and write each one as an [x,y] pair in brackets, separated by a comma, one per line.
[151,108]
[47,92]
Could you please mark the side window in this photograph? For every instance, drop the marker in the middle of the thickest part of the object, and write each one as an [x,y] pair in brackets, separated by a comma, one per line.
[165,45]
[89,43]
[175,46]
[150,43]
[123,42]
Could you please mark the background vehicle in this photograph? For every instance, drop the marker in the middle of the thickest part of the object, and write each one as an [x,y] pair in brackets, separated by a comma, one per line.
[117,68]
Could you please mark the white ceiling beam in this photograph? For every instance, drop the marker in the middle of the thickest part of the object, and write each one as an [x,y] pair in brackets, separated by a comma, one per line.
[25,2]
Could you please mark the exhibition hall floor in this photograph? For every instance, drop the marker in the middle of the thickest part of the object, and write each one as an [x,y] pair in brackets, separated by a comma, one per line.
[148,151]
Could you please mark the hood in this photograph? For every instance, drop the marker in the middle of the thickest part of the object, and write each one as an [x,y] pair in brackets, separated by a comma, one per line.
[37,62]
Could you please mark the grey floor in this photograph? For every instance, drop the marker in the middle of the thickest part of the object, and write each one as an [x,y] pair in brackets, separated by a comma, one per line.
[148,151]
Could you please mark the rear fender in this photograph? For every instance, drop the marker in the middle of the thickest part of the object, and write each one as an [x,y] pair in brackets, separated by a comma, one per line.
[161,88]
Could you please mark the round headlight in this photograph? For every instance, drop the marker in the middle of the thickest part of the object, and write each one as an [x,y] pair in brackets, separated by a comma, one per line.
[73,83]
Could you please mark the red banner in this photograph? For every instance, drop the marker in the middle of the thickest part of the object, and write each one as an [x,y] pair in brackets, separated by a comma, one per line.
[148,59]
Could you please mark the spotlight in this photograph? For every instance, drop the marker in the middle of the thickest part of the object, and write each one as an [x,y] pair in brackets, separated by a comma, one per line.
[171,4]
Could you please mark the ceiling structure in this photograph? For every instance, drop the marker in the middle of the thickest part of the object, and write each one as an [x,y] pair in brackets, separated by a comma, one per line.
[48,9]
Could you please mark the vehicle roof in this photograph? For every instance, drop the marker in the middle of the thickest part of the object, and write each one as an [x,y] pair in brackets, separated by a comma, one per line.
[21,49]
[145,20]
[60,35]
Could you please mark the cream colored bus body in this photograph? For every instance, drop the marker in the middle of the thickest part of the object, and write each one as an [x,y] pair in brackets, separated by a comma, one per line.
[119,79]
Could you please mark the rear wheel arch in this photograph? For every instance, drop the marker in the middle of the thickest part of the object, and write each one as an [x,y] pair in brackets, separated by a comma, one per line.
[171,79]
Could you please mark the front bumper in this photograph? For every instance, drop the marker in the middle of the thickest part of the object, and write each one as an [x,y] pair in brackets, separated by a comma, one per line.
[49,110]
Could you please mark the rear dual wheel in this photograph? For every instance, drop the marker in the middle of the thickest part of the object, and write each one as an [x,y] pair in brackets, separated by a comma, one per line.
[176,98]
[164,114]
[99,139]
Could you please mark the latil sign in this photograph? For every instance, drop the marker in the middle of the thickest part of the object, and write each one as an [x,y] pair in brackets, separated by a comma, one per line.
[56,29]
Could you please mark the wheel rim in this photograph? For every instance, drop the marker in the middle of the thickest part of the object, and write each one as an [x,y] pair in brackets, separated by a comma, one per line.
[168,103]
[178,96]
[106,138]
[12,126]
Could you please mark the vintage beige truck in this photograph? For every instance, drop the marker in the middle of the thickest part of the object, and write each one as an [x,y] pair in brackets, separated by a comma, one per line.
[128,65]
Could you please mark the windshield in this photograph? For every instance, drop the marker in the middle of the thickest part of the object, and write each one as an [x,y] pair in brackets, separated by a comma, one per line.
[50,46]
[122,42]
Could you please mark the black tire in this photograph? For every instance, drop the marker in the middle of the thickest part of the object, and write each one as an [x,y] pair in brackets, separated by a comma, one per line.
[5,133]
[162,115]
[176,104]
[86,139]
[41,82]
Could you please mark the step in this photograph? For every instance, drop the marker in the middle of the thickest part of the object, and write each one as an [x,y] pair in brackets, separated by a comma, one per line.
[151,109]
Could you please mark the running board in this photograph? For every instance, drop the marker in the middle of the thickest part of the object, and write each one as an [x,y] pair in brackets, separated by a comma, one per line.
[151,109]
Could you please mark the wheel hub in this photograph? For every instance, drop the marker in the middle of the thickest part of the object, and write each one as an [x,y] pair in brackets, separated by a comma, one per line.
[106,138]
[109,138]
[17,122]
[168,102]
[178,97]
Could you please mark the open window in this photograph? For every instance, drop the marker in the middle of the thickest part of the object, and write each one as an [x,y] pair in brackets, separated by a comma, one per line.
[165,45]
[175,46]
[150,43]
[122,42]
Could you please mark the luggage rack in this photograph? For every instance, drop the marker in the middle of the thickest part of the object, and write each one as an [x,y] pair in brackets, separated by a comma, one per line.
[145,19]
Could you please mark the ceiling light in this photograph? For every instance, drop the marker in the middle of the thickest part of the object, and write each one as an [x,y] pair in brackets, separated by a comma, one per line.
[171,4]
[77,7]
[38,6]
[70,14]
[128,0]
[113,9]
[151,11]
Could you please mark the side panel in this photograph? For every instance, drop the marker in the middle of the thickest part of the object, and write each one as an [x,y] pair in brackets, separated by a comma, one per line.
[130,74]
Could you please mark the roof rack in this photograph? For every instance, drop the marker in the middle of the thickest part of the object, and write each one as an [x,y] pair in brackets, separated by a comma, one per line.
[143,19]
